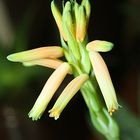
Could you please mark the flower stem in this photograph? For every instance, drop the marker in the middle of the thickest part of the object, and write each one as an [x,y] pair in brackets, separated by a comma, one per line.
[100,118]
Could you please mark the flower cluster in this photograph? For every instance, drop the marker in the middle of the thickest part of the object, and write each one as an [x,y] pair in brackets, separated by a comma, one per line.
[82,60]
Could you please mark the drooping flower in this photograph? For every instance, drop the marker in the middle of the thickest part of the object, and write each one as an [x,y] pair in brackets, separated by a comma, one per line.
[67,94]
[102,73]
[48,91]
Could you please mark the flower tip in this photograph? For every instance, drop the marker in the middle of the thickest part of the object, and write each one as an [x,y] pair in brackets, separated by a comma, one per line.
[34,115]
[112,111]
[11,57]
[58,18]
[54,113]
[99,46]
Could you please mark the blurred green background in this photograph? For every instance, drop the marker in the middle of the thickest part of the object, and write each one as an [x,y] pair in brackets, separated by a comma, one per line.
[29,24]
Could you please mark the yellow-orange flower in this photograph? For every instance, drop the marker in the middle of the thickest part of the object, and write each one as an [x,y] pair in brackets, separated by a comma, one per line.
[102,73]
[67,94]
[48,91]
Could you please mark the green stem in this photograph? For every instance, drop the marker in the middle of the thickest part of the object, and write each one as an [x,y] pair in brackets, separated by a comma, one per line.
[100,118]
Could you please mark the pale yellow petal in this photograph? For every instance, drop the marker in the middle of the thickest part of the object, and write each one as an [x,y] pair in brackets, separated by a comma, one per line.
[104,81]
[50,63]
[48,91]
[38,53]
[99,46]
[67,94]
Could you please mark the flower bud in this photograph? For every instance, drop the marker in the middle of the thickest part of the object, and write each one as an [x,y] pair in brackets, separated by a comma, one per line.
[68,21]
[99,46]
[104,81]
[67,94]
[86,4]
[81,24]
[76,10]
[58,18]
[34,54]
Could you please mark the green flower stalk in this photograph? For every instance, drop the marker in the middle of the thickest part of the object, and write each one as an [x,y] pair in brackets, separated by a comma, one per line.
[83,61]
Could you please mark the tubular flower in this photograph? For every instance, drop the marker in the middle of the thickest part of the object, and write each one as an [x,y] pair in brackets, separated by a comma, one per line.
[48,91]
[83,61]
[35,54]
[67,94]
[51,63]
[58,18]
[102,73]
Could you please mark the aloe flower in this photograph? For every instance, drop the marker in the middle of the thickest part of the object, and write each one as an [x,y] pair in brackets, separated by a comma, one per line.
[102,73]
[83,61]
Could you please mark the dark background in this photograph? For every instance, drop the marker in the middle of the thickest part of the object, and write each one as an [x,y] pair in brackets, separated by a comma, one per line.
[115,21]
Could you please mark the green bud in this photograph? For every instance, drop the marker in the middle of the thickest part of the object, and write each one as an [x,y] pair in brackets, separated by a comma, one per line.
[81,25]
[76,10]
[85,61]
[67,7]
[69,30]
[86,4]
[68,20]
[58,18]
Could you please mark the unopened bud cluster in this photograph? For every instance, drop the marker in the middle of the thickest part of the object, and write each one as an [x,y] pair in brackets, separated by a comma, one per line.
[73,21]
